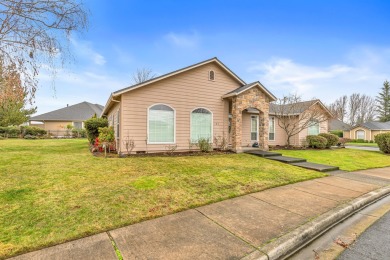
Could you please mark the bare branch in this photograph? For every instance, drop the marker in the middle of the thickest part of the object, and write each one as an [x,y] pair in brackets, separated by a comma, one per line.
[36,32]
[294,115]
[142,75]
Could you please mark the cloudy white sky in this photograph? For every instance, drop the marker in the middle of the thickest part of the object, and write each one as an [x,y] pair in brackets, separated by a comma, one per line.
[321,49]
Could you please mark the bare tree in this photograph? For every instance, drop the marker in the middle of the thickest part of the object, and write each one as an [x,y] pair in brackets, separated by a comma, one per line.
[294,115]
[367,109]
[36,33]
[142,75]
[355,109]
[339,108]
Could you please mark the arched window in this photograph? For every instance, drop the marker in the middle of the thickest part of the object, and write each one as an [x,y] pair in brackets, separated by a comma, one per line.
[161,124]
[211,75]
[201,124]
[314,128]
[360,134]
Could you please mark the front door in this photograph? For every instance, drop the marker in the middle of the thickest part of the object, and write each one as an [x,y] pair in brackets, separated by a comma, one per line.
[254,129]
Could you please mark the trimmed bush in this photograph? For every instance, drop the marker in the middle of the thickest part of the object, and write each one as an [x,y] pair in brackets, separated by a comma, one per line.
[316,141]
[331,139]
[79,133]
[383,141]
[339,133]
[32,130]
[92,126]
[10,131]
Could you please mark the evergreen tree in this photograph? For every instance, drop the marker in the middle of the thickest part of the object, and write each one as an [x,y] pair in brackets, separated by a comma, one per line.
[383,102]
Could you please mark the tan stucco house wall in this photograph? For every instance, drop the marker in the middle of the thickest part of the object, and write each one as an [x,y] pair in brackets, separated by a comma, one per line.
[226,97]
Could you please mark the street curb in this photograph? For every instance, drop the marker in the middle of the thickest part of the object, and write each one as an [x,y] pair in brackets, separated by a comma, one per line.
[290,243]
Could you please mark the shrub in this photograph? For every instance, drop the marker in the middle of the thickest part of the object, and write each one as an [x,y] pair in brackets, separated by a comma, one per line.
[359,141]
[331,139]
[10,131]
[92,126]
[316,141]
[204,144]
[339,133]
[383,141]
[106,137]
[371,141]
[79,133]
[32,130]
[28,136]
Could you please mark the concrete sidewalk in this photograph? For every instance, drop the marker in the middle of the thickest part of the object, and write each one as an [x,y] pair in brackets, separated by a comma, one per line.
[243,227]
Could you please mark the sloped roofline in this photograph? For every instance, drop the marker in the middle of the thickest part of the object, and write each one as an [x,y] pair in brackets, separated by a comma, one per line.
[315,101]
[242,89]
[170,74]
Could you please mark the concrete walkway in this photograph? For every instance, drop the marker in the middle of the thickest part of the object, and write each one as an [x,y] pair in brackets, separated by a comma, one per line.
[299,162]
[237,228]
[365,148]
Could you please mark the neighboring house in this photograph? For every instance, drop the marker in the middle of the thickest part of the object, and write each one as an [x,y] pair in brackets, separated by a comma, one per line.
[204,100]
[338,125]
[56,122]
[278,135]
[367,131]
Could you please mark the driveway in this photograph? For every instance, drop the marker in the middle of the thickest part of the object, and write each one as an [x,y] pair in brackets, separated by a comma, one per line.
[366,148]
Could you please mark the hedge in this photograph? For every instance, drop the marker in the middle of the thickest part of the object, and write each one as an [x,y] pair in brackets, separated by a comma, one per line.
[331,139]
[383,141]
[316,141]
[339,133]
[32,130]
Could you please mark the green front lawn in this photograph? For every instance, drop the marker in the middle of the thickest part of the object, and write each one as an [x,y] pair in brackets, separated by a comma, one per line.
[346,159]
[52,191]
[363,144]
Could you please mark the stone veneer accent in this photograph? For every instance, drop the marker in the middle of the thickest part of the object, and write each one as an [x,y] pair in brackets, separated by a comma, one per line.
[252,98]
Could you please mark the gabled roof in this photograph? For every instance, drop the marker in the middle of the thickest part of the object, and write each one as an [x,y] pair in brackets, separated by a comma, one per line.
[373,125]
[296,108]
[215,59]
[335,124]
[145,83]
[240,90]
[79,112]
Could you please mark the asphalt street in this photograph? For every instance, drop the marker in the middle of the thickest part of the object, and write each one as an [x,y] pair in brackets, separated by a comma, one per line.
[374,243]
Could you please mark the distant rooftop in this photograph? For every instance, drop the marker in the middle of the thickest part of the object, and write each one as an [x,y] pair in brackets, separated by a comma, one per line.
[78,112]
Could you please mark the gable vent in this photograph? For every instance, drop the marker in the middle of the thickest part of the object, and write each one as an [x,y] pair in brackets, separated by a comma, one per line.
[211,75]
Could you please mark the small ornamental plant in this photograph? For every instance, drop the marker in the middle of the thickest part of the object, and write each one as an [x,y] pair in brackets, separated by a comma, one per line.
[106,138]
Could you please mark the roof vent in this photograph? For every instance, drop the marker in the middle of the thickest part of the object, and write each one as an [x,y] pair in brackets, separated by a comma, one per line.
[211,75]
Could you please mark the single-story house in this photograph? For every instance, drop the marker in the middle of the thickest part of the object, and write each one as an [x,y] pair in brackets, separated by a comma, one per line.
[204,100]
[367,131]
[56,122]
[338,125]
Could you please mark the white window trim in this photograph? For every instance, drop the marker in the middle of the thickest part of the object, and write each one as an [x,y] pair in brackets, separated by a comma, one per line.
[257,128]
[274,128]
[174,125]
[212,122]
[209,75]
[356,135]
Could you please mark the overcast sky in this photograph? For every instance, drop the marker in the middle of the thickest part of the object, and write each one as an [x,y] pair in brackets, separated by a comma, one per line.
[321,49]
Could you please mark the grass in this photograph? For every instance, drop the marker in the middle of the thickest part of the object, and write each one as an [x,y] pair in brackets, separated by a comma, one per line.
[52,191]
[346,159]
[363,144]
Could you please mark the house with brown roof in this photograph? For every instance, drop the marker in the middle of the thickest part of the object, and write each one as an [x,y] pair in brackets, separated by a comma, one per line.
[204,100]
[367,131]
[56,121]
